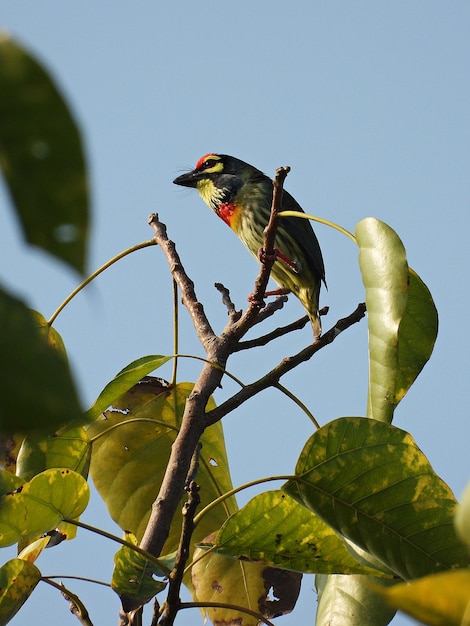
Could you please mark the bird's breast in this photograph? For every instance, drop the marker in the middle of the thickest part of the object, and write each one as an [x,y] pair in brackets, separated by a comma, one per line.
[230,213]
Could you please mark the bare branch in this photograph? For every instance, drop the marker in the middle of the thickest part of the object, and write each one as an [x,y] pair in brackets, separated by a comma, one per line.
[173,600]
[227,301]
[195,308]
[286,365]
[278,332]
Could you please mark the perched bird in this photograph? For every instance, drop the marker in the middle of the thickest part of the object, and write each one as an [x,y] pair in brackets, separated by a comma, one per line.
[241,196]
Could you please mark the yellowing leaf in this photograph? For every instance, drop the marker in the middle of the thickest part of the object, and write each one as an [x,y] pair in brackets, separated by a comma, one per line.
[438,600]
[40,504]
[247,585]
[277,530]
[18,578]
[131,447]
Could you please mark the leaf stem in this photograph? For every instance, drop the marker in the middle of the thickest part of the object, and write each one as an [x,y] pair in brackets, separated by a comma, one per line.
[89,279]
[320,220]
[232,492]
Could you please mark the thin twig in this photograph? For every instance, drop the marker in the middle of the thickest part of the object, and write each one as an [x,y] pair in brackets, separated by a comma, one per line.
[232,607]
[286,365]
[75,604]
[278,332]
[173,600]
[195,308]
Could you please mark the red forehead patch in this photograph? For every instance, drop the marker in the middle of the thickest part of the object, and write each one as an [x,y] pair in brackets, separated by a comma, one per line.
[203,158]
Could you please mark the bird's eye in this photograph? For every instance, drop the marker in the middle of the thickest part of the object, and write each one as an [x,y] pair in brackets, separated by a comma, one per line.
[209,163]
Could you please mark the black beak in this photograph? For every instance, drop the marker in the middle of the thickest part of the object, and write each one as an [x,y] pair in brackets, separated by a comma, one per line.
[190,179]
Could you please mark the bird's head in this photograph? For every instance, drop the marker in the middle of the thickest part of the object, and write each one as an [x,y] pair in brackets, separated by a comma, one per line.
[218,178]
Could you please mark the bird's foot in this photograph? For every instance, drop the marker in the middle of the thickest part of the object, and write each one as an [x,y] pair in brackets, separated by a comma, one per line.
[277,256]
[260,303]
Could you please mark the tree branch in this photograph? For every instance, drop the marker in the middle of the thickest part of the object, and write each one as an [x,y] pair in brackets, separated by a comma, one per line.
[286,365]
[217,349]
[173,600]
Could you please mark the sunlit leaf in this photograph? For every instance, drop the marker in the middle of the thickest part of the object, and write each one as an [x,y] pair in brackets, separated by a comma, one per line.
[438,600]
[18,579]
[131,447]
[40,504]
[462,516]
[372,484]
[402,317]
[250,585]
[122,382]
[416,335]
[344,599]
[36,384]
[42,157]
[34,549]
[133,577]
[68,448]
[382,259]
[277,530]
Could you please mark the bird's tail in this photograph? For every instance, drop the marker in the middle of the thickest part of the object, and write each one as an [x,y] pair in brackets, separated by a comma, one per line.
[316,324]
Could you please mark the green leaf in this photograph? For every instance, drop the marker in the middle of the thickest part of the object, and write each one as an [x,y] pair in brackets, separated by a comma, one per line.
[349,600]
[133,577]
[36,384]
[416,335]
[402,317]
[372,484]
[131,446]
[385,275]
[42,158]
[122,382]
[9,482]
[438,600]
[276,530]
[462,516]
[40,504]
[69,448]
[18,579]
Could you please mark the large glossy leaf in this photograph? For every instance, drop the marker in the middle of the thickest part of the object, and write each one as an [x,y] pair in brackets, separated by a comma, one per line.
[438,600]
[402,317]
[249,585]
[372,484]
[124,380]
[39,505]
[42,157]
[131,447]
[36,384]
[18,578]
[384,269]
[277,530]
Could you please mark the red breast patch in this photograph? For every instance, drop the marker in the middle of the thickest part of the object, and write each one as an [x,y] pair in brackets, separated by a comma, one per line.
[225,211]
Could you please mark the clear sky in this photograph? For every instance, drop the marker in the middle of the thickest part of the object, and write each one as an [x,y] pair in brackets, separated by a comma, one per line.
[367,101]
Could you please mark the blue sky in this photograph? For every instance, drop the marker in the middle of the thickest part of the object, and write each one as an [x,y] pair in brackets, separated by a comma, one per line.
[367,102]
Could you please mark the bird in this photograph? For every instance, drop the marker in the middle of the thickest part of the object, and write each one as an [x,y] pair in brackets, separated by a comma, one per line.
[241,195]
